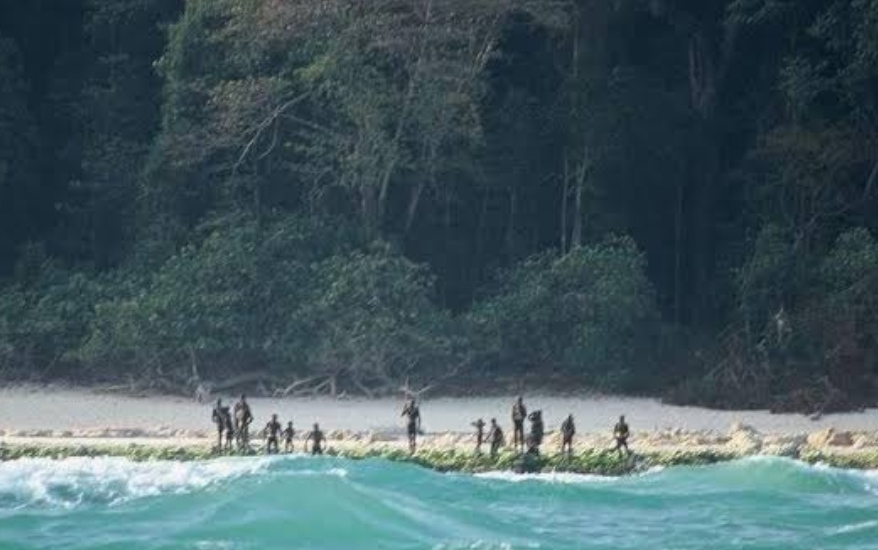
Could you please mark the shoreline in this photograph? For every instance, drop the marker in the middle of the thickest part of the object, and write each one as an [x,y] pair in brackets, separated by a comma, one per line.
[448,452]
[61,421]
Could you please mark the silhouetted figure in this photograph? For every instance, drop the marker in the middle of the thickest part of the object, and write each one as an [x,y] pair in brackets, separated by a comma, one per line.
[537,431]
[568,430]
[243,419]
[479,425]
[230,428]
[316,438]
[495,437]
[288,434]
[519,413]
[621,433]
[220,421]
[272,430]
[413,423]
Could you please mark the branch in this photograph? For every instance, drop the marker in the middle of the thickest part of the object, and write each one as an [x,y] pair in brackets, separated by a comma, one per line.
[265,124]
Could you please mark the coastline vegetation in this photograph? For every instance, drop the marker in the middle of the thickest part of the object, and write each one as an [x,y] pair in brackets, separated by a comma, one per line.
[342,197]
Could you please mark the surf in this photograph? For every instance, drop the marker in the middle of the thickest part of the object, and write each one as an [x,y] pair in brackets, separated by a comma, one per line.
[304,502]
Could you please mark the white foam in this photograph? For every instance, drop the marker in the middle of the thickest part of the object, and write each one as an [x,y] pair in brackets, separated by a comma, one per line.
[546,477]
[855,527]
[482,545]
[562,477]
[71,481]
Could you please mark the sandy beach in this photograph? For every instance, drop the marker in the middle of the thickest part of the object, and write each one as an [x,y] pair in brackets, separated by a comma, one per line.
[30,415]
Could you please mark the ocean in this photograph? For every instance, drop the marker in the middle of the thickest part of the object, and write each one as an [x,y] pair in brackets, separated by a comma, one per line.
[327,503]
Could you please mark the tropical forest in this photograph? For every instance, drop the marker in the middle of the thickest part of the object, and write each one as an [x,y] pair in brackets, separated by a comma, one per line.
[668,198]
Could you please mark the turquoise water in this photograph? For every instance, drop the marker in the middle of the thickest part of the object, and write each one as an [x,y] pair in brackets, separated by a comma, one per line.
[300,502]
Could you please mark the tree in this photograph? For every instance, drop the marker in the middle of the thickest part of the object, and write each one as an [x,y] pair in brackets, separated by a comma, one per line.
[19,180]
[589,314]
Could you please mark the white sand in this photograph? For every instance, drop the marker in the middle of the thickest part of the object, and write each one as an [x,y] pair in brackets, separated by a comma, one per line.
[27,409]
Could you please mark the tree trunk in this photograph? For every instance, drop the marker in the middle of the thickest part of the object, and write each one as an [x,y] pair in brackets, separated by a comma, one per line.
[412,209]
[678,254]
[576,239]
[510,225]
[369,205]
[564,199]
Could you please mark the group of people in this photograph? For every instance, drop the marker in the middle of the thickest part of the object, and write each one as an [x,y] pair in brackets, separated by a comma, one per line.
[233,429]
[530,444]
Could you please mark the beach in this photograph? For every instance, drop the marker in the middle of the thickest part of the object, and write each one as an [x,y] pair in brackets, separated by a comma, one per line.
[32,415]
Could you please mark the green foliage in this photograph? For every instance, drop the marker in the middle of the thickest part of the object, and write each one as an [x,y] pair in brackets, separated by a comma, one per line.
[18,170]
[168,169]
[295,296]
[234,295]
[590,312]
[372,315]
[43,321]
[771,276]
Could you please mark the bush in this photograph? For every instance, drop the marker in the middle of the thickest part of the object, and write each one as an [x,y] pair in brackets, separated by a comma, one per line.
[591,313]
[297,298]
[45,317]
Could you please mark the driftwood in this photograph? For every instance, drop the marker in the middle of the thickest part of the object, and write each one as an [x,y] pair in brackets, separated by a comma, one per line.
[295,385]
[241,379]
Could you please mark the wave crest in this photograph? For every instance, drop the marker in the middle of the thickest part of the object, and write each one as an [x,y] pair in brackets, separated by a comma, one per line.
[104,480]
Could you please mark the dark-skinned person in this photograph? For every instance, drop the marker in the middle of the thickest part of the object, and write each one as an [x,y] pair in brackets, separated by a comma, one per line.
[519,414]
[288,434]
[568,430]
[495,438]
[316,438]
[219,419]
[243,419]
[479,425]
[413,423]
[271,432]
[621,432]
[537,431]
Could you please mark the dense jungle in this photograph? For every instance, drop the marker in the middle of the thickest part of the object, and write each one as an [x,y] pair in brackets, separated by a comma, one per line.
[673,198]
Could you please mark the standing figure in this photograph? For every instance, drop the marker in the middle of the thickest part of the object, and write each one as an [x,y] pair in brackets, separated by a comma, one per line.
[272,429]
[230,428]
[568,430]
[519,413]
[220,422]
[413,424]
[317,438]
[495,437]
[621,433]
[537,430]
[479,425]
[243,419]
[288,434]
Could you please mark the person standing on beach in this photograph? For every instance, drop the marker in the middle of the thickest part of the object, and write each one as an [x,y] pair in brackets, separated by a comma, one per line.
[230,428]
[413,425]
[519,413]
[243,419]
[568,430]
[479,425]
[537,430]
[317,438]
[288,434]
[621,433]
[495,436]
[220,422]
[272,429]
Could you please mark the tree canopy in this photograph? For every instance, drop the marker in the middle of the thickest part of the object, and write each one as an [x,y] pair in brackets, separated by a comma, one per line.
[662,196]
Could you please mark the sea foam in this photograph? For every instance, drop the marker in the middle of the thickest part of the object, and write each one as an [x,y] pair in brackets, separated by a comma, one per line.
[74,481]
